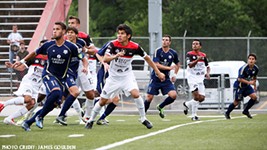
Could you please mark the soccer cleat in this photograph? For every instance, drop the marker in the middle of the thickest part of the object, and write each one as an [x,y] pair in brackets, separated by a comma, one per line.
[247,114]
[89,125]
[185,108]
[227,116]
[195,118]
[9,121]
[25,126]
[147,124]
[39,122]
[82,122]
[102,122]
[85,119]
[1,107]
[61,120]
[161,111]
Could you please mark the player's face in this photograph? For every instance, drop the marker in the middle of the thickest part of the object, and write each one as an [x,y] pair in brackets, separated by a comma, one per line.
[58,32]
[196,45]
[71,35]
[251,60]
[166,42]
[73,23]
[123,37]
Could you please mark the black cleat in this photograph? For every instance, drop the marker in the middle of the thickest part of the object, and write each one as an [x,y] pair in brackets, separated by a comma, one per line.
[89,125]
[185,109]
[247,114]
[227,116]
[61,120]
[147,124]
[195,118]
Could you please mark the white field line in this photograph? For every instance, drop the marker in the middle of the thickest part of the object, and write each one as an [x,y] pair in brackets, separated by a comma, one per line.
[158,132]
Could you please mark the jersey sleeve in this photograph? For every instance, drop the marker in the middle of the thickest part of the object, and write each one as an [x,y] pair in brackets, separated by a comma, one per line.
[102,51]
[156,57]
[140,51]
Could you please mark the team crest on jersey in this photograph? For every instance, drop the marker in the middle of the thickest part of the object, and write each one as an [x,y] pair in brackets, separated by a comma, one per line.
[117,50]
[170,56]
[36,61]
[65,52]
[194,57]
[58,56]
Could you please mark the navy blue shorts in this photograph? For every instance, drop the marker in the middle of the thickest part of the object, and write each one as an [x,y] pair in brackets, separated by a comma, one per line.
[52,82]
[101,79]
[165,87]
[239,93]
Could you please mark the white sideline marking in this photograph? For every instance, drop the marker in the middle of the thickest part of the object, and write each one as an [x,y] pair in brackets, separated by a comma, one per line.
[7,136]
[158,132]
[76,135]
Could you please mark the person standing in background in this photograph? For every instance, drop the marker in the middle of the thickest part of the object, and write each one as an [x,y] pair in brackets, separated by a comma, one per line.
[20,55]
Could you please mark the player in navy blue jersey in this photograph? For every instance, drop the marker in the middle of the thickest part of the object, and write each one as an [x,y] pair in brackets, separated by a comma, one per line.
[55,74]
[163,58]
[119,53]
[247,76]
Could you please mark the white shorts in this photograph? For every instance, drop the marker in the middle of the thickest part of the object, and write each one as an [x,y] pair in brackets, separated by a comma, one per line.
[116,85]
[85,81]
[27,88]
[200,86]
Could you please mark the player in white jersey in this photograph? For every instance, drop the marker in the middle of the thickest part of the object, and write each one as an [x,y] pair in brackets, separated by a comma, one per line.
[121,78]
[28,89]
[197,70]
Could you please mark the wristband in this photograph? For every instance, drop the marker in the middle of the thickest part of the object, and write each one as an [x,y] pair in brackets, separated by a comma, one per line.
[22,61]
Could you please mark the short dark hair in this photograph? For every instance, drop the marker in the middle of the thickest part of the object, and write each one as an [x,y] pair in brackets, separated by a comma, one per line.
[167,35]
[253,55]
[76,18]
[43,41]
[63,26]
[75,30]
[198,41]
[126,28]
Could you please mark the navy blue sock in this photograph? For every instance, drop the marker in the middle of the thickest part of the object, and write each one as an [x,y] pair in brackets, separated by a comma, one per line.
[167,101]
[108,110]
[49,105]
[230,108]
[32,119]
[147,105]
[249,105]
[67,104]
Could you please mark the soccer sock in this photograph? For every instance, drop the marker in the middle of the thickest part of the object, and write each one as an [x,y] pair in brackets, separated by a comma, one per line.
[231,107]
[141,108]
[76,105]
[249,105]
[14,101]
[108,110]
[95,112]
[88,107]
[67,104]
[19,113]
[167,101]
[147,105]
[189,103]
[49,105]
[32,119]
[96,100]
[194,108]
[30,112]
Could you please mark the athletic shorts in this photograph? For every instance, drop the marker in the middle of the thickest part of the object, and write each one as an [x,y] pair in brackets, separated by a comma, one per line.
[116,85]
[239,93]
[193,86]
[85,81]
[101,79]
[165,87]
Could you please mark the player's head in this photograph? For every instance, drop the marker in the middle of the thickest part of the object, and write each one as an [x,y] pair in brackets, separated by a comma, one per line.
[74,21]
[15,28]
[124,29]
[59,30]
[252,59]
[72,33]
[196,44]
[166,41]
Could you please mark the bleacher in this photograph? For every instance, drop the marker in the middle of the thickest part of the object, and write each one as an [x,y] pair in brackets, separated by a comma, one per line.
[26,14]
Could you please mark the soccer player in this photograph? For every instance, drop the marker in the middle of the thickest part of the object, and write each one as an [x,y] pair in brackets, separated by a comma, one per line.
[121,78]
[28,89]
[56,73]
[84,81]
[247,76]
[197,69]
[163,58]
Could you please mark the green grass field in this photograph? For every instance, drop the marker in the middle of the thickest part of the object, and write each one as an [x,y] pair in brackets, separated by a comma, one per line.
[174,132]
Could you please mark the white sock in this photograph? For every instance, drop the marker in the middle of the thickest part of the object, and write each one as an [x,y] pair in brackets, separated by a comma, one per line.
[76,105]
[89,103]
[19,113]
[189,103]
[140,106]
[30,112]
[95,111]
[194,108]
[14,101]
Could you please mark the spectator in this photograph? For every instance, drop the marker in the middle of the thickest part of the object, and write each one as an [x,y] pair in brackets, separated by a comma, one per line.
[20,55]
[14,39]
